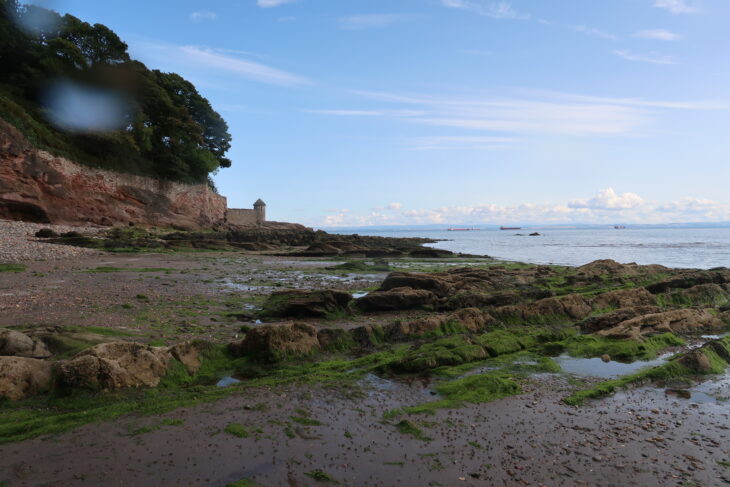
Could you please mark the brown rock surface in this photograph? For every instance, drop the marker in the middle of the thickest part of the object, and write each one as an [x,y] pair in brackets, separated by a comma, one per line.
[36,186]
[624,298]
[189,354]
[21,345]
[401,298]
[274,342]
[22,377]
[609,320]
[115,365]
[302,303]
[675,321]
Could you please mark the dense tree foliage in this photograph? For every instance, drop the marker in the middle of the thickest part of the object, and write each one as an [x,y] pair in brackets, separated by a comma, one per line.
[167,129]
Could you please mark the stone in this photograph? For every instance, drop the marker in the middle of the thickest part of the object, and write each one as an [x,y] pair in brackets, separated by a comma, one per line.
[115,365]
[674,321]
[22,377]
[436,284]
[276,342]
[302,303]
[697,362]
[189,354]
[397,299]
[609,320]
[624,298]
[21,345]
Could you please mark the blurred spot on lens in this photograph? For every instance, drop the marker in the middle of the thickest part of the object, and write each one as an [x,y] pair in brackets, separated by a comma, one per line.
[75,107]
[35,20]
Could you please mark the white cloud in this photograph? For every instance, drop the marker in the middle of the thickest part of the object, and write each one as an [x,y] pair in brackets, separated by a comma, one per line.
[491,9]
[607,199]
[368,113]
[675,6]
[456,142]
[606,207]
[658,35]
[592,31]
[200,16]
[194,61]
[272,3]
[370,21]
[650,58]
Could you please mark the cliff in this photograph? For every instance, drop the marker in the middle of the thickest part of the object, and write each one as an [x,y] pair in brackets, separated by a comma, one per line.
[36,186]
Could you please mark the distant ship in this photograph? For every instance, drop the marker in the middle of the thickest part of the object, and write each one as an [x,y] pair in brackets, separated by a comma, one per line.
[510,228]
[461,229]
[619,227]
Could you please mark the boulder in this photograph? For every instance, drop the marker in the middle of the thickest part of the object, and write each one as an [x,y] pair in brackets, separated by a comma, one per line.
[697,362]
[301,303]
[21,345]
[472,319]
[624,298]
[437,284]
[705,294]
[22,377]
[189,354]
[571,306]
[397,299]
[115,365]
[277,342]
[609,320]
[674,321]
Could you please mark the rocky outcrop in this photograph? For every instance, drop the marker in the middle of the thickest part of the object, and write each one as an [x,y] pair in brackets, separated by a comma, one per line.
[36,186]
[624,298]
[301,303]
[115,365]
[609,320]
[400,298]
[470,319]
[21,345]
[189,354]
[276,342]
[22,377]
[674,321]
[571,306]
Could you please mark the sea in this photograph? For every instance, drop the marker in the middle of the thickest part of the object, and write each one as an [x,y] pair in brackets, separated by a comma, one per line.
[678,247]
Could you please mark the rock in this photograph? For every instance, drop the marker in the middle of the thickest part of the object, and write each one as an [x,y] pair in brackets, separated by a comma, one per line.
[688,279]
[22,377]
[609,320]
[705,294]
[396,299]
[278,342]
[434,283]
[301,303]
[606,357]
[624,298]
[471,319]
[472,299]
[674,321]
[115,365]
[189,354]
[335,339]
[571,306]
[46,233]
[697,362]
[21,345]
[367,335]
[431,253]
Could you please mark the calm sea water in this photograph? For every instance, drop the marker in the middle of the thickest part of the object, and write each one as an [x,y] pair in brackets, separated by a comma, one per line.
[673,247]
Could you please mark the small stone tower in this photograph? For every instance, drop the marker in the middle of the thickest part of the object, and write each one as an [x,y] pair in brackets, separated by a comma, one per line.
[260,209]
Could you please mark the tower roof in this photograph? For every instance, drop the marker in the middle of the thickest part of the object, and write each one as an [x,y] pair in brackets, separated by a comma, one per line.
[259,202]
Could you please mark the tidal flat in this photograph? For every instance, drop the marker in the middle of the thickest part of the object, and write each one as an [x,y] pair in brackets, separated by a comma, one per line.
[442,371]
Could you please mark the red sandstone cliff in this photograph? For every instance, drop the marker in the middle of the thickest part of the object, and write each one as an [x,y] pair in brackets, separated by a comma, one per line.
[36,186]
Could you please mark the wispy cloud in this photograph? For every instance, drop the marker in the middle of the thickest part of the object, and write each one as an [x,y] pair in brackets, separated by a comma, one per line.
[652,58]
[370,21]
[486,8]
[607,206]
[676,6]
[200,16]
[592,31]
[204,61]
[459,142]
[368,113]
[272,3]
[658,35]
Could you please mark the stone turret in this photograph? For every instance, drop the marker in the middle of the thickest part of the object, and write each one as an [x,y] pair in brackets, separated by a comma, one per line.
[260,209]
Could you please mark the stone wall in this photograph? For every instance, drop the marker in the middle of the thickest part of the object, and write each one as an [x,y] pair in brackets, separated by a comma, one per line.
[36,186]
[241,217]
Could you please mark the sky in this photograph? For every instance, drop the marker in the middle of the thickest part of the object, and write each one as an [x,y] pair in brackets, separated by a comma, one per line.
[378,112]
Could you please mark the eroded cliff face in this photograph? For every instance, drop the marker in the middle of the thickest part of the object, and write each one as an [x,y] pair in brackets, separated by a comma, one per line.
[36,186]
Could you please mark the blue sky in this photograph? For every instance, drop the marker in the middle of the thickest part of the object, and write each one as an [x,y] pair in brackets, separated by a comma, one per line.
[358,112]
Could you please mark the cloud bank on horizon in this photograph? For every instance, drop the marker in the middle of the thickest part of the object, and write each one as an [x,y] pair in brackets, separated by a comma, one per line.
[606,206]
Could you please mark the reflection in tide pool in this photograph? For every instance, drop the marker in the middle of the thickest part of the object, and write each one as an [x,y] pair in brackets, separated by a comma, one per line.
[595,367]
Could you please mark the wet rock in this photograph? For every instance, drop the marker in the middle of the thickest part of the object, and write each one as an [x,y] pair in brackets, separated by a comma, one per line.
[688,279]
[697,362]
[277,342]
[431,253]
[607,268]
[400,298]
[46,233]
[609,320]
[606,357]
[624,298]
[301,303]
[115,365]
[190,354]
[21,345]
[704,294]
[22,377]
[475,299]
[571,306]
[367,335]
[674,321]
[334,339]
[437,284]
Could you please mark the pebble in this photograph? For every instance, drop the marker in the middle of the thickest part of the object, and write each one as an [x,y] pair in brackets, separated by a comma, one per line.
[19,244]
